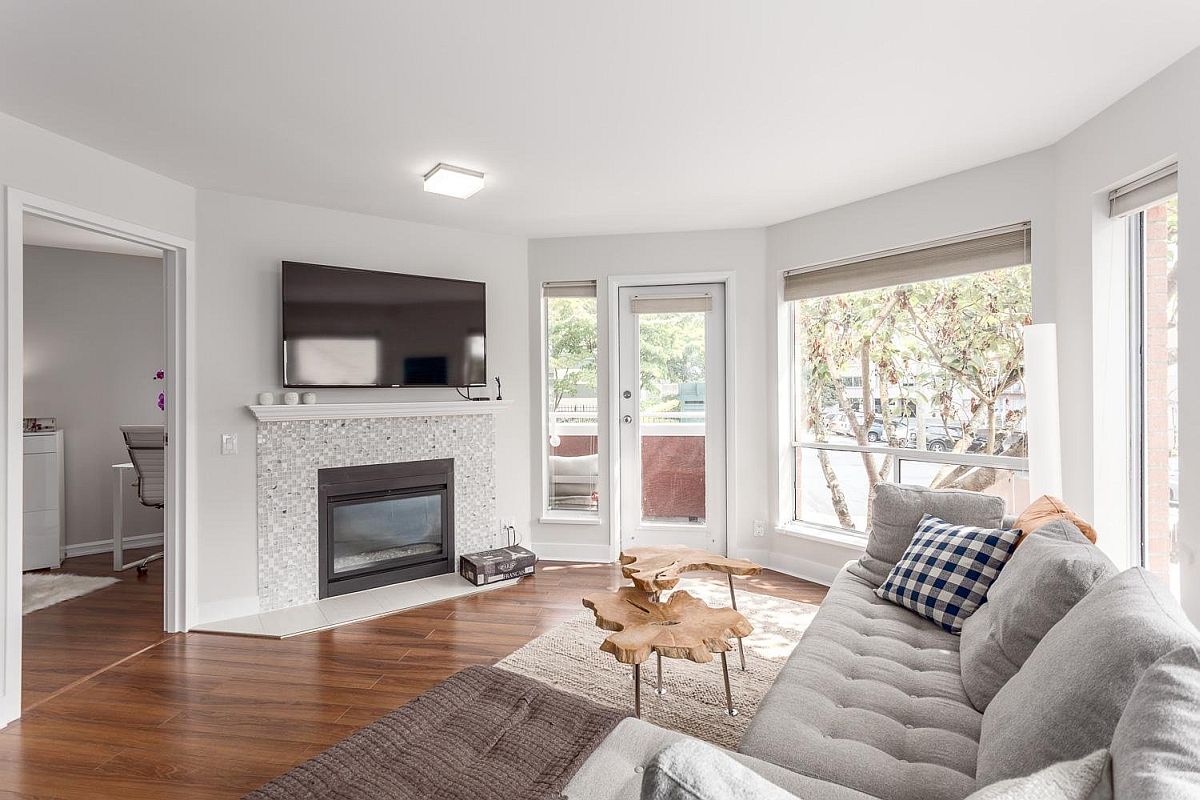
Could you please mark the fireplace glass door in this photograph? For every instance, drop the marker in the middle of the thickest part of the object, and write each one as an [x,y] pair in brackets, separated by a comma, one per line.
[391,529]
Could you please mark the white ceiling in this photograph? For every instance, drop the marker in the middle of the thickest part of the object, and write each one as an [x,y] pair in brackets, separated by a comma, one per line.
[41,232]
[587,116]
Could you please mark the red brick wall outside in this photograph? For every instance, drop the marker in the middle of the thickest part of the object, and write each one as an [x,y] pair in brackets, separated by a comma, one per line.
[575,446]
[673,476]
[1157,422]
[672,472]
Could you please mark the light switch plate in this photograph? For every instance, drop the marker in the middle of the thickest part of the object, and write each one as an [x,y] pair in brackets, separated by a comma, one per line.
[229,445]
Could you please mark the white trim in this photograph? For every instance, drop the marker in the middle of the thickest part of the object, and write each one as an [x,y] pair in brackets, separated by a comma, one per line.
[181,561]
[727,279]
[372,410]
[803,568]
[550,517]
[567,551]
[106,545]
[217,610]
[803,530]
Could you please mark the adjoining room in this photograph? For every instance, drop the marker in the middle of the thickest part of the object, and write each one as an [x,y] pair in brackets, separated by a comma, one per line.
[95,403]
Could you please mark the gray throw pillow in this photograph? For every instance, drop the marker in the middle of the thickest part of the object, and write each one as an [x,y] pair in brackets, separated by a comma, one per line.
[897,510]
[1156,748]
[1065,701]
[692,770]
[1048,573]
[1087,778]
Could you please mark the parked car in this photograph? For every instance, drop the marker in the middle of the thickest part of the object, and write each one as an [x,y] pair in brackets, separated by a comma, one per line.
[938,438]
[876,434]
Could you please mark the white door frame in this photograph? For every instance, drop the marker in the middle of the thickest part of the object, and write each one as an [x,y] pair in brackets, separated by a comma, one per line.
[615,282]
[180,561]
[713,533]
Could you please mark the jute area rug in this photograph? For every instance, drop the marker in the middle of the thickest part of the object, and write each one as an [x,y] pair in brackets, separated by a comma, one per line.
[569,658]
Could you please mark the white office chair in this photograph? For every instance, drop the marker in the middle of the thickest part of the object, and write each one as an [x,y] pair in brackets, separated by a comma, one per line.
[147,451]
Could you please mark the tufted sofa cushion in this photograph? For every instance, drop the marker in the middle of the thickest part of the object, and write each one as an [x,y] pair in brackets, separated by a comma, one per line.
[872,699]
[897,510]
[1070,693]
[1044,578]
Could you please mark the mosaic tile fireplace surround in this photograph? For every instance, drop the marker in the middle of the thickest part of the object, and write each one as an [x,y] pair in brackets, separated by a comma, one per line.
[291,451]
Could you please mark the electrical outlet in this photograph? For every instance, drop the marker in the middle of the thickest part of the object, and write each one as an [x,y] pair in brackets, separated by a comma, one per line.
[760,527]
[229,444]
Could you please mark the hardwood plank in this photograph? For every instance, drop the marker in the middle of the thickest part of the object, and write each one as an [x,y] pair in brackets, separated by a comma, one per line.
[203,716]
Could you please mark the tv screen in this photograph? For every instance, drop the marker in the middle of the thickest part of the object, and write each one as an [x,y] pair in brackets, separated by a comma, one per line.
[354,327]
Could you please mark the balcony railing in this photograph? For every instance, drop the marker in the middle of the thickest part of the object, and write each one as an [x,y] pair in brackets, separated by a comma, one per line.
[814,506]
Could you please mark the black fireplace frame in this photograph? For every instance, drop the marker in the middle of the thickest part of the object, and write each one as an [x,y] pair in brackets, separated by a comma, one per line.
[383,480]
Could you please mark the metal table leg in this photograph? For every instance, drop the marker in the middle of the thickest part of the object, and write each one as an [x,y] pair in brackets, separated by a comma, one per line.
[729,709]
[741,644]
[637,690]
[660,690]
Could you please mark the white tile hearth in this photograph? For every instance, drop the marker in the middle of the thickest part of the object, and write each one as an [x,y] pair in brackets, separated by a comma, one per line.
[345,609]
[291,451]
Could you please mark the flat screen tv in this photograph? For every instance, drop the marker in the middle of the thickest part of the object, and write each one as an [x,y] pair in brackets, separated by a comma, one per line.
[355,327]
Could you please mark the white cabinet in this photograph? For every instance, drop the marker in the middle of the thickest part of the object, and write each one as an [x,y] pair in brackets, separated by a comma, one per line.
[45,496]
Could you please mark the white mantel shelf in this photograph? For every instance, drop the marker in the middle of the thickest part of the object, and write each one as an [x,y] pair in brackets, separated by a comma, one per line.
[443,408]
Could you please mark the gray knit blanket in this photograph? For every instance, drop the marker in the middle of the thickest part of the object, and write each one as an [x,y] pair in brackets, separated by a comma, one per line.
[483,733]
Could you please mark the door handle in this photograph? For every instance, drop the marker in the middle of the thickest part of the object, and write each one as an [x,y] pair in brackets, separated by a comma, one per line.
[627,419]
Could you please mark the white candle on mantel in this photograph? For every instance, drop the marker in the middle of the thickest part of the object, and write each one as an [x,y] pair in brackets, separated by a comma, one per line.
[1041,418]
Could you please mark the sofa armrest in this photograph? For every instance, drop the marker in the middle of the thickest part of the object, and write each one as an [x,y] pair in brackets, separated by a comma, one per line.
[615,768]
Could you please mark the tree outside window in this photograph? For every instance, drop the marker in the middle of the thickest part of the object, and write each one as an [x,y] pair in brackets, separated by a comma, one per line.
[932,367]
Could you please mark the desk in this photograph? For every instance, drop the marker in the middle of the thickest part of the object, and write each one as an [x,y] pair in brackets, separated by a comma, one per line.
[123,475]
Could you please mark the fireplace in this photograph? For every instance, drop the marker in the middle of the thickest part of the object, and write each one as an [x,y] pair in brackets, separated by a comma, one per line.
[384,523]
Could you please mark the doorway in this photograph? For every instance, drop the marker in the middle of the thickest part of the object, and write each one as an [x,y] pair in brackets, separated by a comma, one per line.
[671,410]
[177,597]
[93,506]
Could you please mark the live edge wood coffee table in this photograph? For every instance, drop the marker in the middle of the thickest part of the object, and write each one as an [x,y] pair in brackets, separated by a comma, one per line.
[682,626]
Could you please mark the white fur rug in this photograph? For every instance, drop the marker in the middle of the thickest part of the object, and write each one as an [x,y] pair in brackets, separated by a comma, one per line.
[43,589]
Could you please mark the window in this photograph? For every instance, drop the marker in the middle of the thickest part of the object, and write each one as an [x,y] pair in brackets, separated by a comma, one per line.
[572,467]
[1152,211]
[909,367]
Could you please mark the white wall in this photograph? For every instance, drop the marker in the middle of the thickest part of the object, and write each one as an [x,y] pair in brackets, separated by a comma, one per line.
[243,241]
[52,166]
[93,341]
[1157,123]
[1014,190]
[601,257]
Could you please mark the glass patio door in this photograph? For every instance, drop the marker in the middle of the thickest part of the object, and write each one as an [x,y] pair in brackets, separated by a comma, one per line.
[671,407]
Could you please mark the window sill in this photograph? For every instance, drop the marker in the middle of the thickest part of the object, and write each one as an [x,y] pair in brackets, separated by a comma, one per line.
[813,533]
[552,518]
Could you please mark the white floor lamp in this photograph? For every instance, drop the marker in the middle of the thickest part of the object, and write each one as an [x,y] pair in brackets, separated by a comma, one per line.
[1041,419]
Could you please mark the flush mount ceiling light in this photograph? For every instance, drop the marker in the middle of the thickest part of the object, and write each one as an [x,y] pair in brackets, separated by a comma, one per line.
[453,181]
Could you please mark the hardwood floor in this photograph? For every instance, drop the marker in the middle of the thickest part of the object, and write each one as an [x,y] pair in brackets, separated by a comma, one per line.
[210,716]
[69,641]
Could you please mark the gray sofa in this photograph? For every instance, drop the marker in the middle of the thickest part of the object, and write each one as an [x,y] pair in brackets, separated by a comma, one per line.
[878,702]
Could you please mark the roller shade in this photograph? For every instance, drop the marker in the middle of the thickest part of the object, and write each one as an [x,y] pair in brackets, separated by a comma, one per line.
[569,289]
[981,252]
[1146,191]
[668,304]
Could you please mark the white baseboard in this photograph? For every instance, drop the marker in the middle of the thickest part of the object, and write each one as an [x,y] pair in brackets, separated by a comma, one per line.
[218,610]
[566,551]
[754,554]
[804,569]
[106,545]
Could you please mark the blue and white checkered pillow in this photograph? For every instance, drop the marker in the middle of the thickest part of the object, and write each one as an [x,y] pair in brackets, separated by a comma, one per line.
[945,573]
